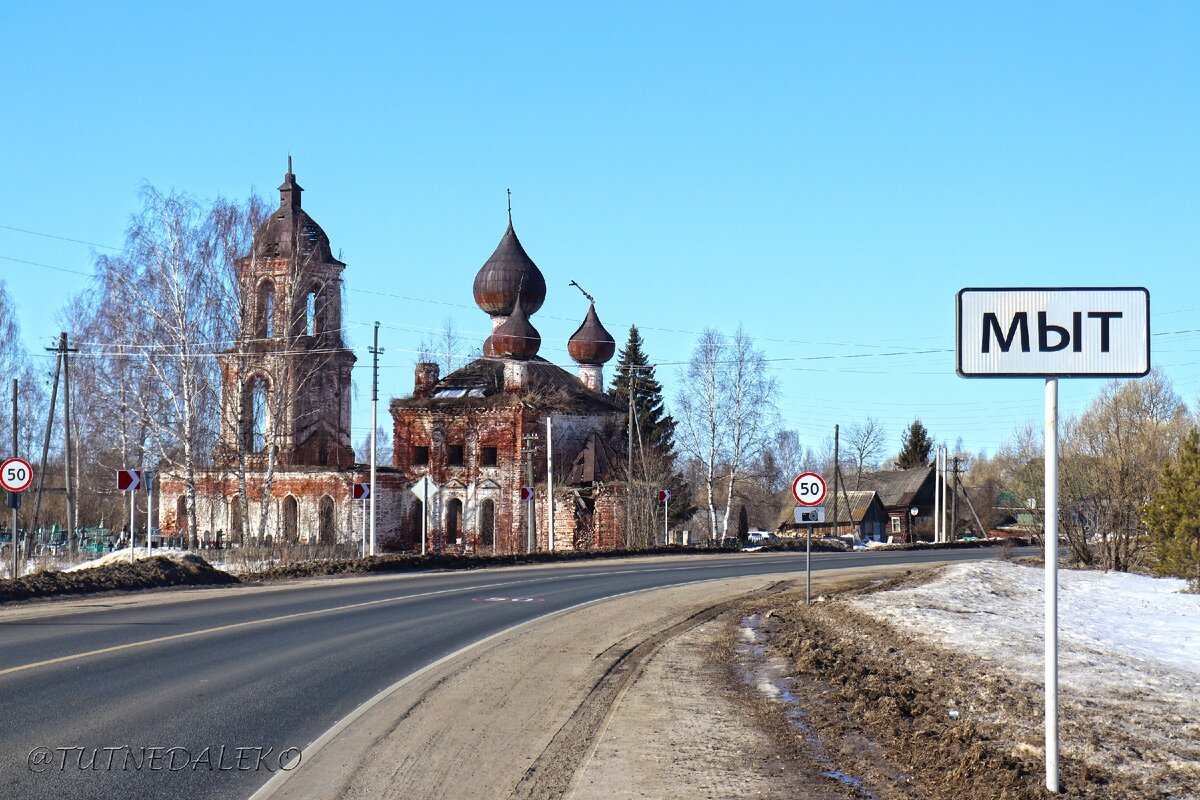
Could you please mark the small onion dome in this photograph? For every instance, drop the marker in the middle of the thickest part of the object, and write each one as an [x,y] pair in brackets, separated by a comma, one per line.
[591,344]
[508,273]
[515,338]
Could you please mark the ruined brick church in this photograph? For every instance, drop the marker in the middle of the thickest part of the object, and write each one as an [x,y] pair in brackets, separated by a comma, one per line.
[488,436]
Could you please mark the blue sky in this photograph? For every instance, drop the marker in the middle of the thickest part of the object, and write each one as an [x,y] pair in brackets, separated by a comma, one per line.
[827,175]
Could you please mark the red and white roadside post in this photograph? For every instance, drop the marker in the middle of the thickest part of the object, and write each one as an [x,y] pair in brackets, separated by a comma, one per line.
[664,497]
[361,492]
[809,490]
[128,480]
[15,475]
[1053,333]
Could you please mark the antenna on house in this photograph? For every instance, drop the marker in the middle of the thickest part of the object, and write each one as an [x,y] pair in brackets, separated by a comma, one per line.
[580,288]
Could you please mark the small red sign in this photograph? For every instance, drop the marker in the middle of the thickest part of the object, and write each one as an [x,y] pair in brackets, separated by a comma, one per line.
[362,491]
[526,492]
[664,495]
[129,479]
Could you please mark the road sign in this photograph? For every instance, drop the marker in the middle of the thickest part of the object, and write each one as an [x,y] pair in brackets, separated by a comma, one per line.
[1053,333]
[526,492]
[424,484]
[810,515]
[128,479]
[664,495]
[809,489]
[16,474]
[362,491]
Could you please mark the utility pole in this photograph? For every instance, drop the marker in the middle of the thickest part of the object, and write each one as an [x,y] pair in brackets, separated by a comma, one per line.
[16,568]
[954,503]
[550,482]
[375,351]
[66,370]
[37,502]
[837,471]
[629,466]
[529,441]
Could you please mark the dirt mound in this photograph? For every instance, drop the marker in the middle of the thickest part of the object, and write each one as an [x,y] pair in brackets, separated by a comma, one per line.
[941,718]
[410,562]
[146,573]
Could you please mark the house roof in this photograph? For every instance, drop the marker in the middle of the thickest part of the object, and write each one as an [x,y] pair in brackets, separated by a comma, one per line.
[595,462]
[896,487]
[481,384]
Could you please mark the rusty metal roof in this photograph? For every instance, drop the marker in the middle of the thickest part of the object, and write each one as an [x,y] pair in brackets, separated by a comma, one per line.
[290,231]
[591,343]
[515,338]
[547,386]
[508,273]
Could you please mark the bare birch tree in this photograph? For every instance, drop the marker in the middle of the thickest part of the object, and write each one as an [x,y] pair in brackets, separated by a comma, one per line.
[726,410]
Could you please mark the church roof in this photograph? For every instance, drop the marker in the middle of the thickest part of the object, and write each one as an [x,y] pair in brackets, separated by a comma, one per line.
[481,384]
[290,230]
[515,338]
[591,344]
[509,273]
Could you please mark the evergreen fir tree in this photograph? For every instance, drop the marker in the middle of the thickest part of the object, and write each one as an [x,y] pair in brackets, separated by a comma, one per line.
[915,447]
[657,427]
[1173,516]
[743,524]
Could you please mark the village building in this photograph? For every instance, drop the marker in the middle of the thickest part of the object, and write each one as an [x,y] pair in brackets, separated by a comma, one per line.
[284,467]
[859,514]
[509,425]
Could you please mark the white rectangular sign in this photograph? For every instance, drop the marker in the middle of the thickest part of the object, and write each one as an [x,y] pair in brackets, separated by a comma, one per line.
[1054,333]
[810,515]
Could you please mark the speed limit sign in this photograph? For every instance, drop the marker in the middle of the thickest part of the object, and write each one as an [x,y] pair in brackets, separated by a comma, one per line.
[809,489]
[16,474]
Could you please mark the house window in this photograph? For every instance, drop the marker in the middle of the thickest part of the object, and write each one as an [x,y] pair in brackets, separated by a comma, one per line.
[895,525]
[421,455]
[455,455]
[488,457]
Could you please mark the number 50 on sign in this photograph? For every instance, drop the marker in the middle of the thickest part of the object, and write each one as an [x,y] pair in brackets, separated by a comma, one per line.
[809,489]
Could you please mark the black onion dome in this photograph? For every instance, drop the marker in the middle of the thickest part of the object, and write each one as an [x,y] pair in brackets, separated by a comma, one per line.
[515,338]
[289,226]
[591,344]
[509,272]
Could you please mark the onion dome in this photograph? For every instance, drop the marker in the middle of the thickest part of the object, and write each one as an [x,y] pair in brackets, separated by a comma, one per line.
[290,230]
[515,338]
[508,273]
[591,344]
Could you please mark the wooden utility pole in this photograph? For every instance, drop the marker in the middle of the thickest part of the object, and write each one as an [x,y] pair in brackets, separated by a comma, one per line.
[530,441]
[72,522]
[837,472]
[954,503]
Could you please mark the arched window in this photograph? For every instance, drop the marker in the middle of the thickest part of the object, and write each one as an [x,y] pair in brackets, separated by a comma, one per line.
[487,524]
[265,325]
[454,511]
[310,312]
[256,415]
[291,520]
[325,531]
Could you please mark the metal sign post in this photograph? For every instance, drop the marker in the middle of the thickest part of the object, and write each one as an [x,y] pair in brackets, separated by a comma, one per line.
[809,490]
[1051,569]
[128,480]
[15,475]
[148,479]
[1053,333]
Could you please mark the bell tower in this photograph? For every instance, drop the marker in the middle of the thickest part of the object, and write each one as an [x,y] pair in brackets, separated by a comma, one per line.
[286,381]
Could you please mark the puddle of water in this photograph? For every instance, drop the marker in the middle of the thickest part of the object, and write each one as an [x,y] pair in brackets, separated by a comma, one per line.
[769,676]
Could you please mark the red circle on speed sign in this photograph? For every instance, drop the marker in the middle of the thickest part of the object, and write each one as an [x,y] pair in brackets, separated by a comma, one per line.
[16,475]
[809,489]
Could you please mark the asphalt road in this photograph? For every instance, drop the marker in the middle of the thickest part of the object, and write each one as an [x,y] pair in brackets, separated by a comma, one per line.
[274,669]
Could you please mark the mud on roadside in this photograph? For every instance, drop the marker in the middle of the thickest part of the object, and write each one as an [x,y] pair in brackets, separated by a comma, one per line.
[890,717]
